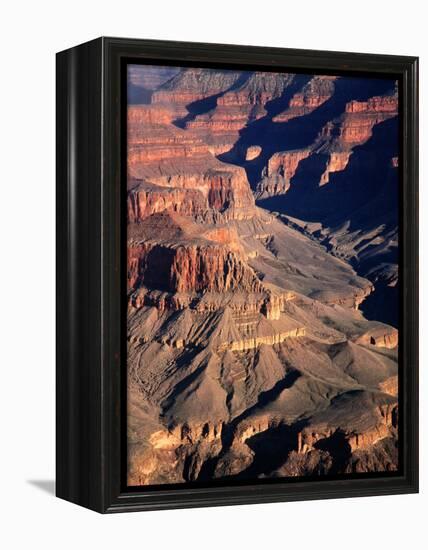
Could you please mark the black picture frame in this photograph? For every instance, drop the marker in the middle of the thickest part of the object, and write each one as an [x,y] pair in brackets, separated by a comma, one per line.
[90,275]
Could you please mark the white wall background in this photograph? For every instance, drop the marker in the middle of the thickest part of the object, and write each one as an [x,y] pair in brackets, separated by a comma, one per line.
[31,32]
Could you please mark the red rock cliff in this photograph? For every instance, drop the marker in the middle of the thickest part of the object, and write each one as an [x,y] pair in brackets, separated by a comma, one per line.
[316,92]
[189,268]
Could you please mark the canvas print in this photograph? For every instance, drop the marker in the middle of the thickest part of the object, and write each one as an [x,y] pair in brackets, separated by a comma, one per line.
[262,275]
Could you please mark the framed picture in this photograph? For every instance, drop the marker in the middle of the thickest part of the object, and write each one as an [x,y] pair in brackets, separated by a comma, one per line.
[237,279]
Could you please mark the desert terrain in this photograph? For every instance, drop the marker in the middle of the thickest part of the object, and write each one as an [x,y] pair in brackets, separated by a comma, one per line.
[262,275]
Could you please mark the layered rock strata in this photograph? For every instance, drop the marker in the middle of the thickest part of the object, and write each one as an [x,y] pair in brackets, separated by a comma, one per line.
[315,93]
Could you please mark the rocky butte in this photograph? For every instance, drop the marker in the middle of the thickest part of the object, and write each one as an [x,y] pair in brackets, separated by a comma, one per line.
[252,251]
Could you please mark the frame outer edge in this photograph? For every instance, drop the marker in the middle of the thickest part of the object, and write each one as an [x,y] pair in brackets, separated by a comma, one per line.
[88,268]
[79,430]
[412,262]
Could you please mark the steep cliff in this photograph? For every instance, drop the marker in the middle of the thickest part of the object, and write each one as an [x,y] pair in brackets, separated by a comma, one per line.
[317,91]
[353,128]
[336,140]
[191,85]
[353,163]
[280,169]
[238,107]
[180,164]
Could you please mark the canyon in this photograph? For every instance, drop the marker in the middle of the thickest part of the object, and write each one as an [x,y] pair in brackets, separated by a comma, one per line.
[262,275]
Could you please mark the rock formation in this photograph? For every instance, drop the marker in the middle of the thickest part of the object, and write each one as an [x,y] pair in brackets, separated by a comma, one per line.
[249,355]
[352,162]
[316,92]
[244,102]
[280,169]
